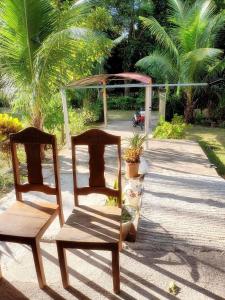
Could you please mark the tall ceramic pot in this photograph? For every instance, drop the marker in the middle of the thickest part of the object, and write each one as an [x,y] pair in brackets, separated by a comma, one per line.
[132,170]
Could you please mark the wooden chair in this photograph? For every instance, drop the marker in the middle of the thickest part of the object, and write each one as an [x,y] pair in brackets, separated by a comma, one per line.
[93,227]
[26,221]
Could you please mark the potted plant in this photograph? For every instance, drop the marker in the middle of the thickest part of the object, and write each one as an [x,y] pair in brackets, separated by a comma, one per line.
[132,154]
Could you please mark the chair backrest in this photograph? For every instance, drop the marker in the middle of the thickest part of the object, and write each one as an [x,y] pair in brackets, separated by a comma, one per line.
[33,139]
[96,140]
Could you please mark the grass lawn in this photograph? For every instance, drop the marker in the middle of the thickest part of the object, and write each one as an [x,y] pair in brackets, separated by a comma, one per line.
[212,140]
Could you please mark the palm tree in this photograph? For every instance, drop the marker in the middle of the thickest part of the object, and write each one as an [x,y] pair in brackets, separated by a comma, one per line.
[43,43]
[186,50]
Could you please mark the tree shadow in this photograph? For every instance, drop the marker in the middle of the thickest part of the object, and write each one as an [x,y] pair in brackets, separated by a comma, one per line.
[53,294]
[102,264]
[145,249]
[93,285]
[193,286]
[9,292]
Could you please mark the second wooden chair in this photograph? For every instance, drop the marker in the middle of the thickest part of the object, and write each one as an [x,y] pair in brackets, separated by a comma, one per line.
[93,227]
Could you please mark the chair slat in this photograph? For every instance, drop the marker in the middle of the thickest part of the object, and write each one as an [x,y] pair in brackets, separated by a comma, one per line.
[96,165]
[34,167]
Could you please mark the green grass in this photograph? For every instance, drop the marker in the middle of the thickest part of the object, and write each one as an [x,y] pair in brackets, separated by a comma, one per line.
[212,141]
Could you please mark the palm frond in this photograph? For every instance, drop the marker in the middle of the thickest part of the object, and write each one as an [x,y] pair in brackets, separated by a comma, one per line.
[160,35]
[22,28]
[176,12]
[69,51]
[197,62]
[76,15]
[214,29]
[160,66]
[216,69]
[194,25]
[207,9]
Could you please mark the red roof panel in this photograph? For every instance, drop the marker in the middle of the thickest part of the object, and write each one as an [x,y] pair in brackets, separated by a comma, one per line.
[104,78]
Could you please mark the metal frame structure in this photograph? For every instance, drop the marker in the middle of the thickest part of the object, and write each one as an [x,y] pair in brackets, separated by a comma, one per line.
[100,82]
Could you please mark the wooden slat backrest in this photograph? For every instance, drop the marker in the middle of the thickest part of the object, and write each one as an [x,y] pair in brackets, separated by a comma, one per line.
[96,140]
[33,139]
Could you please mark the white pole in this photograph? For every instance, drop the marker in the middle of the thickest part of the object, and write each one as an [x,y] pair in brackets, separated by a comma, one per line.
[105,104]
[162,104]
[66,118]
[148,109]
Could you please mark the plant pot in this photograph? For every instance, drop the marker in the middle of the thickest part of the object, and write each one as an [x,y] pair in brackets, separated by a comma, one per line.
[132,170]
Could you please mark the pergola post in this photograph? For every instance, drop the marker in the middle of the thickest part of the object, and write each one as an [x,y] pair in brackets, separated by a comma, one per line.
[104,95]
[66,117]
[148,109]
[162,103]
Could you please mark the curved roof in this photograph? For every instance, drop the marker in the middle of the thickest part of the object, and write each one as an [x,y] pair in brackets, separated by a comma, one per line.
[104,78]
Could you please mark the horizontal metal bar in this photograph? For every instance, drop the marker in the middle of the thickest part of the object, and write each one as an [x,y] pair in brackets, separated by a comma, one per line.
[135,85]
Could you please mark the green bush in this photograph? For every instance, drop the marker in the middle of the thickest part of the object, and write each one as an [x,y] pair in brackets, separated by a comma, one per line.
[53,118]
[174,130]
[93,111]
[125,103]
[199,117]
[177,120]
[77,122]
[130,102]
[8,125]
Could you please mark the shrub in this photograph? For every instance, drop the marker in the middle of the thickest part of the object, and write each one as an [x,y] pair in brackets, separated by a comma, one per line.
[81,118]
[130,102]
[199,117]
[8,125]
[222,124]
[125,103]
[177,120]
[53,114]
[174,130]
[77,122]
[93,112]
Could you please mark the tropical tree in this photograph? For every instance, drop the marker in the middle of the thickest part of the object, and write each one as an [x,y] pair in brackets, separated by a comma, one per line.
[43,43]
[125,17]
[186,49]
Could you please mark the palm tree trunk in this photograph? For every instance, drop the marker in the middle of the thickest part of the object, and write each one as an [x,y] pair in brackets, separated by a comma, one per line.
[189,108]
[37,122]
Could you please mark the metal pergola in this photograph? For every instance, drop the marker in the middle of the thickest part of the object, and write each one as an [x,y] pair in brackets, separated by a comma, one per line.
[102,82]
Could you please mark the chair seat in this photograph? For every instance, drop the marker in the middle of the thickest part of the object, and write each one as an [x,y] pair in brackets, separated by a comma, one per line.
[92,224]
[26,219]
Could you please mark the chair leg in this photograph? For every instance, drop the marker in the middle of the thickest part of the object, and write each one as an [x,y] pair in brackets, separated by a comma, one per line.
[120,245]
[116,270]
[63,264]
[0,273]
[35,246]
[61,218]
